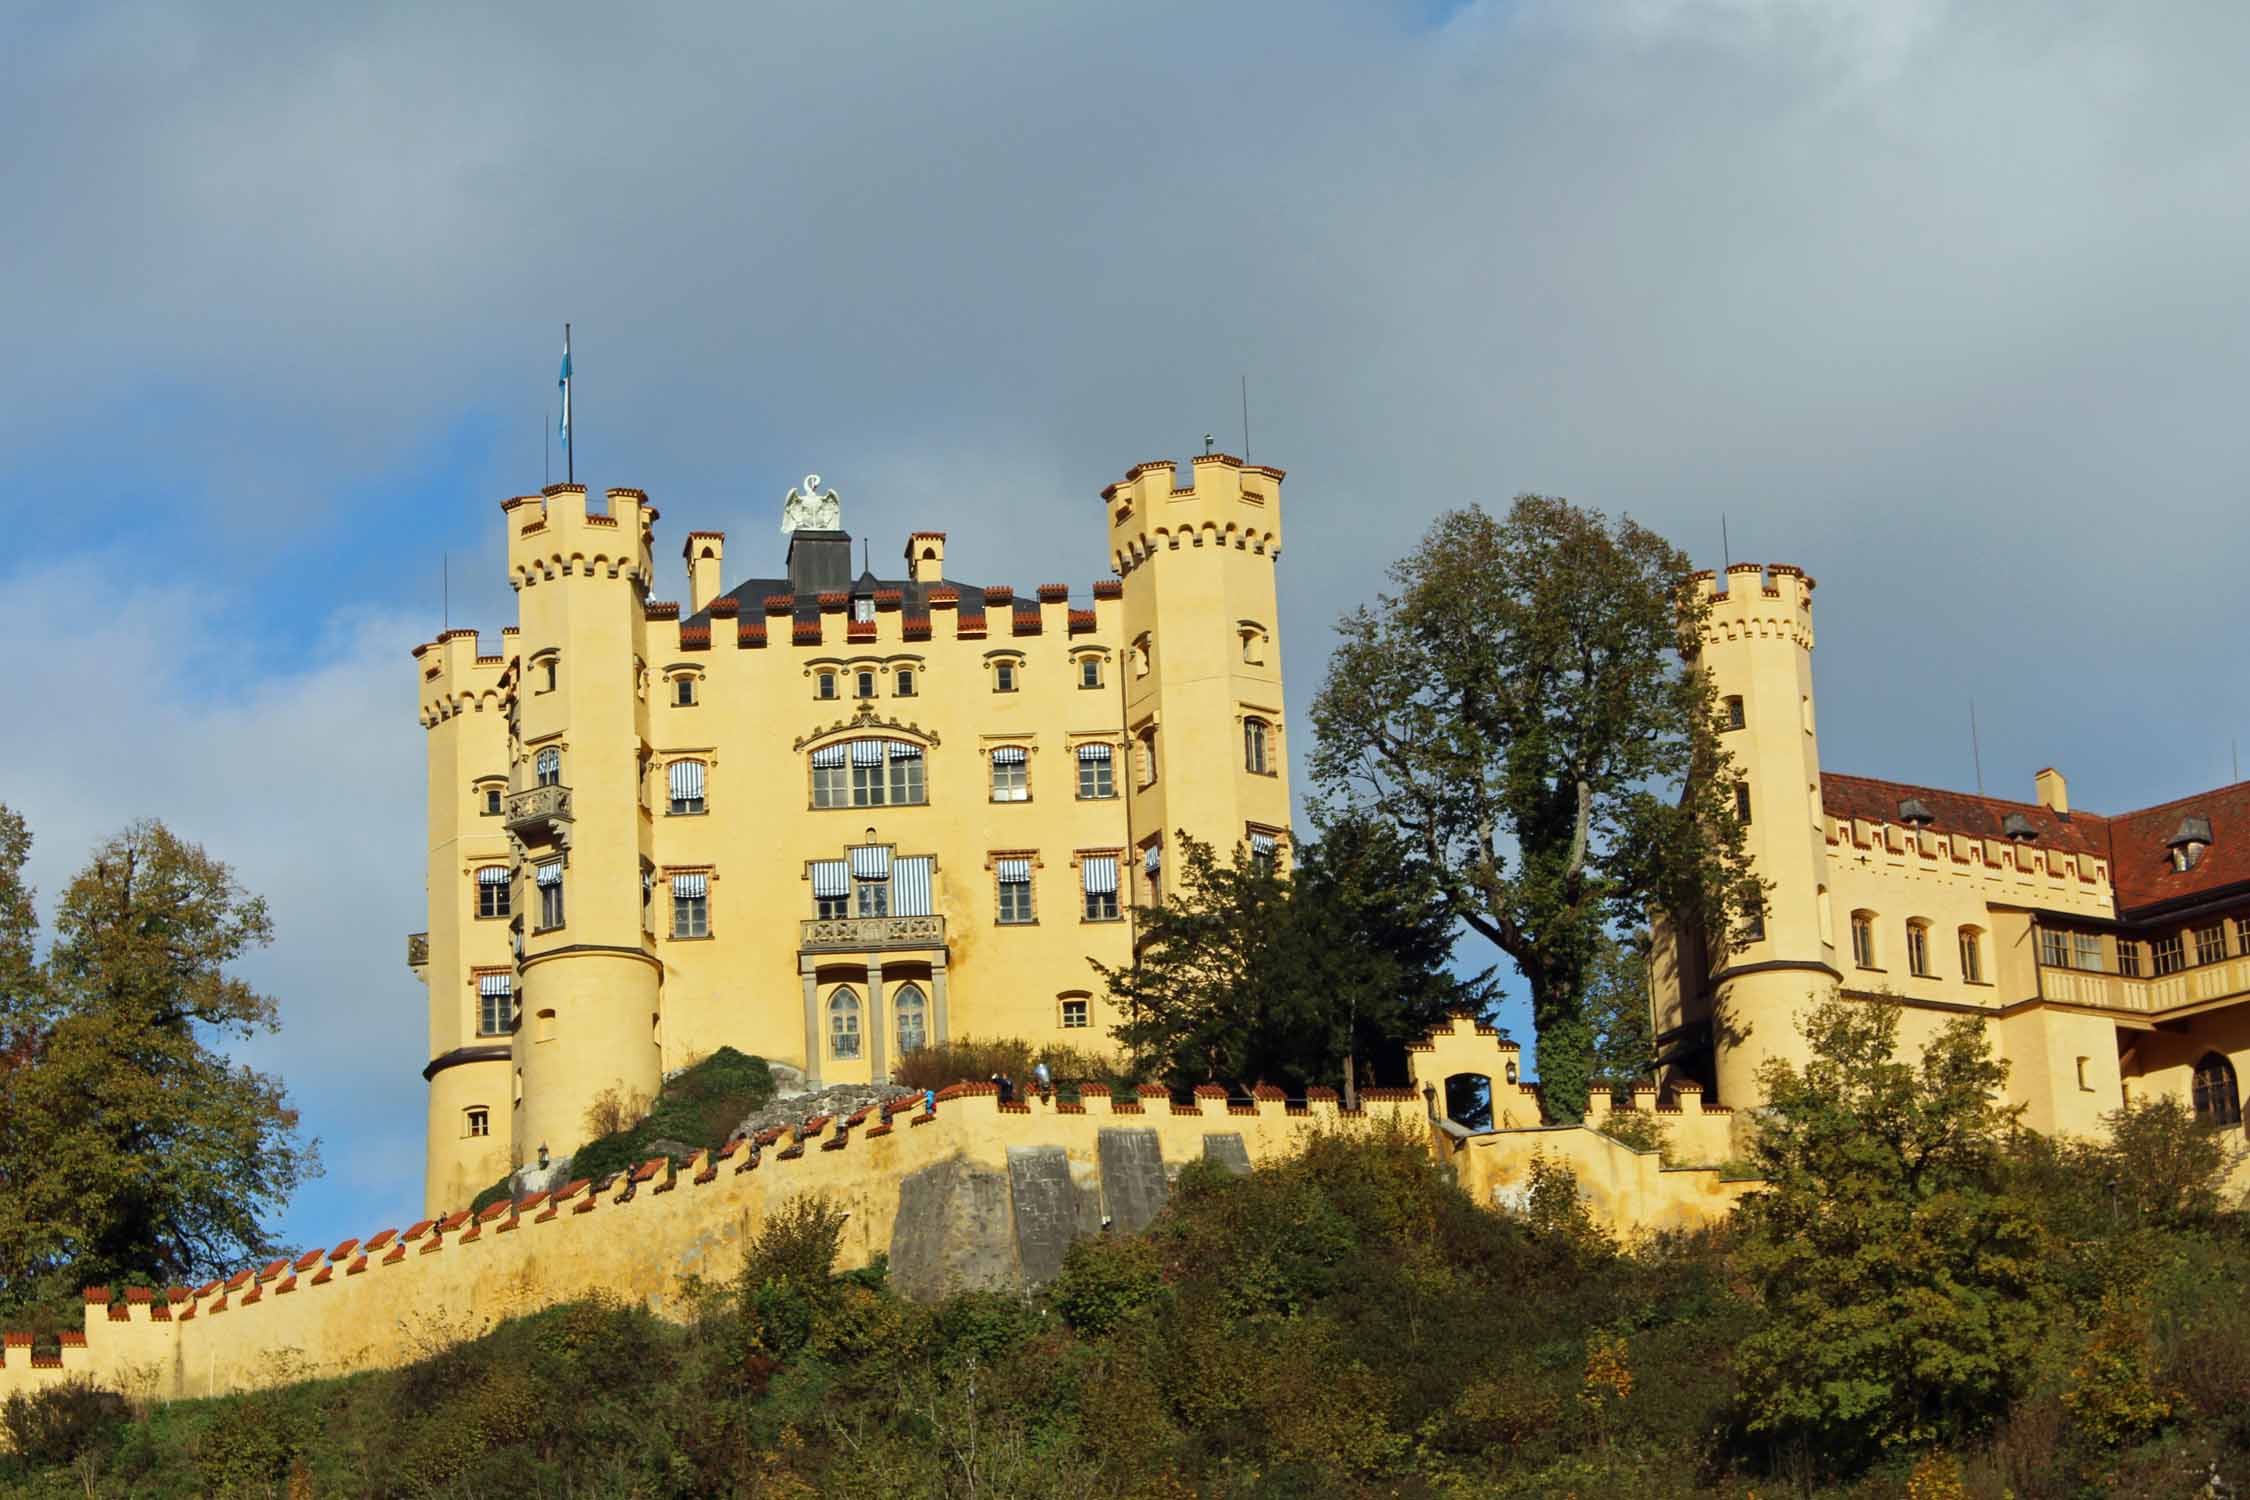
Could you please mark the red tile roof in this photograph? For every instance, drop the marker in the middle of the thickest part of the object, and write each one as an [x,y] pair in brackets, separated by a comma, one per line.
[1875,801]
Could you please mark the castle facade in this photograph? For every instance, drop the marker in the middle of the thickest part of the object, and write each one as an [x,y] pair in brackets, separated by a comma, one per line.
[2107,955]
[820,815]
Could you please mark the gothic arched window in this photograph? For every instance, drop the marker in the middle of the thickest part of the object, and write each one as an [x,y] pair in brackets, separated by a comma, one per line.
[2216,1101]
[843,1024]
[913,1019]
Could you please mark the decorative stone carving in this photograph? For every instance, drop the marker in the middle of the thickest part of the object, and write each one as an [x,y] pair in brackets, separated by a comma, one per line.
[806,508]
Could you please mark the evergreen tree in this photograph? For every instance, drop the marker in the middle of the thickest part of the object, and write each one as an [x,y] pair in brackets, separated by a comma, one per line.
[1517,709]
[132,1148]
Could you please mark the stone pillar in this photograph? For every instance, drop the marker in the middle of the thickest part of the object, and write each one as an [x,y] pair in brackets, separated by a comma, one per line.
[878,1024]
[813,1047]
[939,1035]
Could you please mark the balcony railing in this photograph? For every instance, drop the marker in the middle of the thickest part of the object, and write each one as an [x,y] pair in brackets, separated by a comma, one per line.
[535,810]
[2204,982]
[866,934]
[417,950]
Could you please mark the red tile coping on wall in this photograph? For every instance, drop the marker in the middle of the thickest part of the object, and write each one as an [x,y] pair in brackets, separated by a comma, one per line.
[395,1254]
[805,633]
[96,1294]
[1125,1107]
[1081,621]
[836,1142]
[664,609]
[998,593]
[915,627]
[859,630]
[1093,1088]
[343,1249]
[1109,588]
[1268,1091]
[1186,1109]
[285,1284]
[859,1116]
[922,1119]
[876,1130]
[1016,1107]
[945,593]
[1153,1091]
[649,1168]
[453,1221]
[321,1277]
[781,604]
[968,627]
[725,607]
[889,598]
[1242,1109]
[1210,1091]
[1068,1107]
[238,1278]
[792,1153]
[1393,1095]
[695,637]
[835,599]
[416,1230]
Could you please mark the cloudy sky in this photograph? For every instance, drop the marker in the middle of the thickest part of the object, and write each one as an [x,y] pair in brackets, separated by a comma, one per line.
[1942,302]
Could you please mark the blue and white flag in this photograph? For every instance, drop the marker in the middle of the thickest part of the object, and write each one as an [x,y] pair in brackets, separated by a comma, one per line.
[563,380]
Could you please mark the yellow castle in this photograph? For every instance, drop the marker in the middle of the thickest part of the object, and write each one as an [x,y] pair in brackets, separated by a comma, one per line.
[822,816]
[2108,956]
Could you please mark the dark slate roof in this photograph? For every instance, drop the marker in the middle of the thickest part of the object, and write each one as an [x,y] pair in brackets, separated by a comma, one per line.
[750,596]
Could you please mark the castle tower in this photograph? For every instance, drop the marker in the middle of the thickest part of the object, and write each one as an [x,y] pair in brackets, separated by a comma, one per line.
[588,981]
[461,704]
[1735,1009]
[1201,666]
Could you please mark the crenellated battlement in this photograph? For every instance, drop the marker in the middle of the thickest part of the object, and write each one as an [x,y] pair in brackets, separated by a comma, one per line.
[1228,504]
[455,677]
[1759,601]
[554,534]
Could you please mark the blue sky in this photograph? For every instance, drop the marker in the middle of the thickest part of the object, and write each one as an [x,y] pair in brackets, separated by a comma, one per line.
[1940,302]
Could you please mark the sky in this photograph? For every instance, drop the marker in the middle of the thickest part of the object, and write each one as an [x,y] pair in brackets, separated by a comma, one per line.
[1943,303]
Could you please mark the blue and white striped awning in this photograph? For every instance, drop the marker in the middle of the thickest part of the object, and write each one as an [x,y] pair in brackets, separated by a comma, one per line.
[910,885]
[1261,843]
[905,750]
[493,875]
[1093,752]
[830,877]
[1014,871]
[550,873]
[871,861]
[1101,874]
[687,780]
[867,752]
[690,887]
[829,755]
[496,984]
[1152,858]
[1007,755]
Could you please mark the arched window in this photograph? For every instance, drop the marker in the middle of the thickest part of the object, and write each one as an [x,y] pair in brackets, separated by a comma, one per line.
[1918,946]
[548,766]
[1254,746]
[1863,939]
[913,1019]
[2216,1101]
[843,1024]
[1972,955]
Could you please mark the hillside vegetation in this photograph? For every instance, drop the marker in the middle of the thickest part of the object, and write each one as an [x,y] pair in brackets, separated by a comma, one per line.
[1923,1301]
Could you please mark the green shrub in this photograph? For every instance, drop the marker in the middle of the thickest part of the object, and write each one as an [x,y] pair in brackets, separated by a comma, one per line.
[1105,1281]
[973,1060]
[1642,1132]
[56,1425]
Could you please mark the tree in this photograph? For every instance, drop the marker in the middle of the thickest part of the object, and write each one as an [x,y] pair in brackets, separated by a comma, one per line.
[1518,711]
[1244,977]
[131,1148]
[1617,1013]
[1896,1270]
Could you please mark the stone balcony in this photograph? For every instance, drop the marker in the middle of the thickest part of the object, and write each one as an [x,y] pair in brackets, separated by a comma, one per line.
[418,954]
[538,812]
[2202,986]
[869,934]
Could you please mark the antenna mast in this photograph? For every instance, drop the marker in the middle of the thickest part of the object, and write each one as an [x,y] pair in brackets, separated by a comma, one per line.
[1976,750]
[1246,419]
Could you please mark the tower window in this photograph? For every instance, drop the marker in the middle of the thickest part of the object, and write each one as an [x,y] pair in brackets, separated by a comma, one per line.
[1089,671]
[902,683]
[683,692]
[1253,645]
[2054,948]
[1254,746]
[2215,1097]
[1742,802]
[691,905]
[1863,939]
[825,685]
[478,1121]
[1734,712]
[1098,872]
[1144,653]
[1147,743]
[550,882]
[545,666]
[547,767]
[2210,943]
[2086,951]
[1096,772]
[686,787]
[496,1004]
[2128,958]
[865,686]
[492,892]
[491,797]
[863,610]
[1074,1017]
[1918,948]
[1972,955]
[1004,677]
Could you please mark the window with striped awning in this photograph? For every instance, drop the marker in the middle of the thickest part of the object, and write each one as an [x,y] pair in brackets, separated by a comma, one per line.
[829,755]
[1011,777]
[1261,843]
[687,787]
[492,891]
[1015,889]
[550,873]
[1100,872]
[1013,871]
[831,877]
[493,875]
[871,861]
[1152,858]
[686,887]
[691,905]
[496,984]
[1093,752]
[1008,755]
[496,1003]
[902,750]
[1262,846]
[867,752]
[1097,778]
[910,885]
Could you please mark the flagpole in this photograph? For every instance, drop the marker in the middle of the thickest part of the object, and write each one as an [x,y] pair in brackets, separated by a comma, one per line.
[570,449]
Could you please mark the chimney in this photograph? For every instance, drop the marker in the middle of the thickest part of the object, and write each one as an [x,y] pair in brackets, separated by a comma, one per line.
[2054,792]
[705,550]
[925,557]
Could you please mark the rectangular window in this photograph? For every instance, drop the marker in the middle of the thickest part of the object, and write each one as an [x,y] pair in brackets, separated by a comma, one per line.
[1742,802]
[1097,777]
[480,1122]
[687,787]
[1152,870]
[1734,713]
[873,897]
[1004,677]
[2211,943]
[2170,955]
[1099,874]
[2054,948]
[683,691]
[830,907]
[903,682]
[492,891]
[2086,951]
[550,879]
[691,906]
[1015,890]
[868,783]
[827,688]
[1917,948]
[907,788]
[1089,671]
[832,888]
[866,684]
[492,802]
[1972,956]
[863,610]
[496,1004]
[1011,774]
[831,784]
[2242,936]
[2128,957]
[1863,940]
[1074,1017]
[1265,858]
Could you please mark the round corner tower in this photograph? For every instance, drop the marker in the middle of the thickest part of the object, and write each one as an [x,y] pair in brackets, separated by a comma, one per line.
[1757,642]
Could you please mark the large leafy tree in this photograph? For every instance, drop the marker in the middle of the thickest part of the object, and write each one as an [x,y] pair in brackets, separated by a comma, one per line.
[131,1148]
[1896,1269]
[1519,711]
[1242,977]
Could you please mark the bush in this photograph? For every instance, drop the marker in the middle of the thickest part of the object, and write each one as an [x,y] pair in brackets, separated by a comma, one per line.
[973,1060]
[55,1425]
[1105,1281]
[698,1107]
[1639,1131]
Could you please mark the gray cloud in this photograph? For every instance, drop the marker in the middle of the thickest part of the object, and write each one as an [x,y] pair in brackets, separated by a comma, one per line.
[1939,301]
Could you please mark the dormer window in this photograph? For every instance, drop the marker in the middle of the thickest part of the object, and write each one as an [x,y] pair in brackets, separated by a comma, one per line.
[863,609]
[1915,813]
[2188,841]
[2018,827]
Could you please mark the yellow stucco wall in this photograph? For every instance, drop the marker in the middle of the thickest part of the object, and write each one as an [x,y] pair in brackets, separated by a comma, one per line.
[1185,649]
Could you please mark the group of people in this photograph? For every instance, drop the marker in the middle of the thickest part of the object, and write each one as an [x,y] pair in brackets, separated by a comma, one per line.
[1042,1083]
